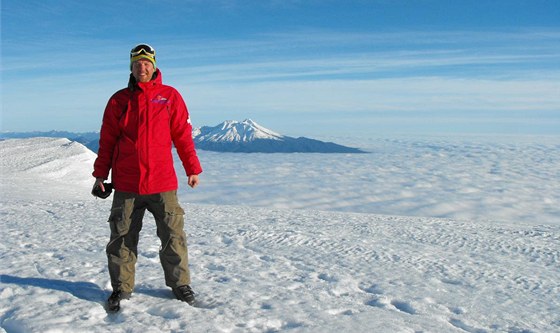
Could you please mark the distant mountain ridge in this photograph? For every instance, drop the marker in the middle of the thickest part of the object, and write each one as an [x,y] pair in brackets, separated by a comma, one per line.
[249,137]
[230,136]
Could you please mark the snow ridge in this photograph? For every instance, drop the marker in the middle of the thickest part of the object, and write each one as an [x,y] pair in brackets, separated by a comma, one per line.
[41,166]
[48,157]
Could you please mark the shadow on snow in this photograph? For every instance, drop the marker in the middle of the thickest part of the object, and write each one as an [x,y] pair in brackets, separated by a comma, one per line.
[83,290]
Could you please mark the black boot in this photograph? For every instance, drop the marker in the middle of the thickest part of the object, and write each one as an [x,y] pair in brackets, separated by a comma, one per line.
[184,294]
[114,301]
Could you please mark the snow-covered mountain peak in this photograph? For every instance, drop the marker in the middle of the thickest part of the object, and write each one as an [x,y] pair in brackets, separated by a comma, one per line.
[235,131]
[249,137]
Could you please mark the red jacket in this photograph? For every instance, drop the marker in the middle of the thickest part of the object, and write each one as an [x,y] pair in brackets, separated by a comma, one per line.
[139,127]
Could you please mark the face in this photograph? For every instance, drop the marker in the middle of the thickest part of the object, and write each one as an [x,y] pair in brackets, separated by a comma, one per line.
[142,70]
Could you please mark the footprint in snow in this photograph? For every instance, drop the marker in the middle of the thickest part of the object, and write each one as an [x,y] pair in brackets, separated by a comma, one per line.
[378,302]
[372,289]
[383,302]
[403,307]
[206,303]
[326,277]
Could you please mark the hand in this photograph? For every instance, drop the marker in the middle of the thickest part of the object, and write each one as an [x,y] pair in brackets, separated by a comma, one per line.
[98,182]
[193,181]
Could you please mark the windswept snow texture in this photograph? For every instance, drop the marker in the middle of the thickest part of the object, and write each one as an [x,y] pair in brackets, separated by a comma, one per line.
[278,269]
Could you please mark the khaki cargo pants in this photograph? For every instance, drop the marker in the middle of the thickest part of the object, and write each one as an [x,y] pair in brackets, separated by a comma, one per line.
[126,222]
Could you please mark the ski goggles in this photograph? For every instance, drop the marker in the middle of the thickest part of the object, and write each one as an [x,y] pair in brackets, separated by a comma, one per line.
[143,49]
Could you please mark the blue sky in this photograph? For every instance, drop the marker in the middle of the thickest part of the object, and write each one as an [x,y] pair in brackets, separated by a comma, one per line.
[301,68]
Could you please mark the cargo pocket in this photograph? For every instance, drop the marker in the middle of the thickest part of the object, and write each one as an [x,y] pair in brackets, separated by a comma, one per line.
[173,240]
[174,218]
[117,221]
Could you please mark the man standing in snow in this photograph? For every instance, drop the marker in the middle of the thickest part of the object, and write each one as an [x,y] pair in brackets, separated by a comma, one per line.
[140,125]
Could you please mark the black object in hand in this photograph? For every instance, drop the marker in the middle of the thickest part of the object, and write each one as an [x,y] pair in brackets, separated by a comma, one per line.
[103,194]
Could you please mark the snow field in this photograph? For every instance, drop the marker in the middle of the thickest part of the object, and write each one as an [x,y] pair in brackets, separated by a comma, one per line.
[259,269]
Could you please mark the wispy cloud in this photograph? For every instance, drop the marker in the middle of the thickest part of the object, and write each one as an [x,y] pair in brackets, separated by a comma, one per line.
[372,66]
[417,95]
[367,76]
[453,78]
[323,55]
